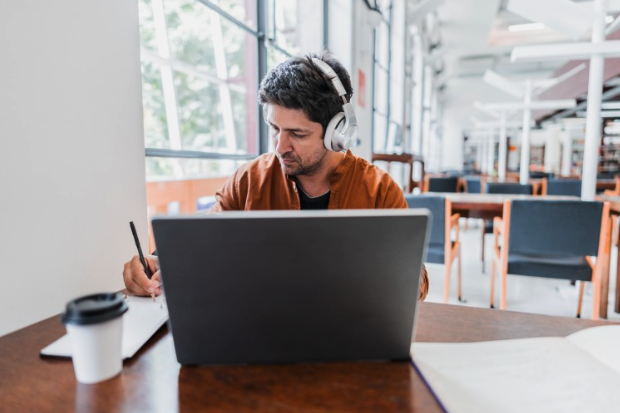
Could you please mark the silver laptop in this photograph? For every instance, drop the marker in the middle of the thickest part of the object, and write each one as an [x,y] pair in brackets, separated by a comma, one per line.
[292,286]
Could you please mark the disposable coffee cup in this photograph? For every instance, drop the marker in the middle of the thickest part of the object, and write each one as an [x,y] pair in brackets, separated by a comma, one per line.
[95,327]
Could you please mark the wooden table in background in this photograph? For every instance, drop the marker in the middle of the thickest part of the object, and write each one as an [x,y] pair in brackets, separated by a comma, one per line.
[488,206]
[154,381]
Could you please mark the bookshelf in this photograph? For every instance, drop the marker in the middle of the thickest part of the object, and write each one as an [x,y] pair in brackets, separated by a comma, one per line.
[609,154]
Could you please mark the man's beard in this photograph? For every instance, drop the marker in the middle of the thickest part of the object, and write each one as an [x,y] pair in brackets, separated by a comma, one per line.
[302,168]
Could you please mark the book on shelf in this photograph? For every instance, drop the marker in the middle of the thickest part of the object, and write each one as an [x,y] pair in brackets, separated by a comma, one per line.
[575,374]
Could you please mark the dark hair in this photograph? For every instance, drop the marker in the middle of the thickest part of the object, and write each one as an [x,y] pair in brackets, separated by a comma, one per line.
[299,84]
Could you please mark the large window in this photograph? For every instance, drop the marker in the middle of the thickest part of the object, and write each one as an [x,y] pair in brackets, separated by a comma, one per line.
[201,64]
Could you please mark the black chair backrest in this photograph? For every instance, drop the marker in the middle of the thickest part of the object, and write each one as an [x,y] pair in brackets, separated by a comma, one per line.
[606,175]
[437,206]
[473,184]
[555,227]
[508,188]
[569,187]
[447,184]
[539,174]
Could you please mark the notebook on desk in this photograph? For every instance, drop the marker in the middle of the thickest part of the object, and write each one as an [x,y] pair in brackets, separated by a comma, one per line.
[575,374]
[142,320]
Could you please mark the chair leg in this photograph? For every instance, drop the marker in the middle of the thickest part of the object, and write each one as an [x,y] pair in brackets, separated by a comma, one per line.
[504,275]
[446,287]
[492,284]
[458,268]
[482,243]
[581,288]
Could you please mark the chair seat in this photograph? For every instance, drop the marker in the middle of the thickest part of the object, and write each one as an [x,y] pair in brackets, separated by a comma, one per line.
[435,253]
[548,266]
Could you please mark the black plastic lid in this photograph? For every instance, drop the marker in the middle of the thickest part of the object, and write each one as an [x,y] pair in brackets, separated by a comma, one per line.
[95,308]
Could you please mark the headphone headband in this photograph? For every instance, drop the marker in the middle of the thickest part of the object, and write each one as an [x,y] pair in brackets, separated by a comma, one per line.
[327,69]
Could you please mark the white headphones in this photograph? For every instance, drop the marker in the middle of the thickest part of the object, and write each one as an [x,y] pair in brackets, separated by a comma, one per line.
[341,132]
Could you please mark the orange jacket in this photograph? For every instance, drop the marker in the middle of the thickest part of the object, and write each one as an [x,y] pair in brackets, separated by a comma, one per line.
[356,184]
[262,185]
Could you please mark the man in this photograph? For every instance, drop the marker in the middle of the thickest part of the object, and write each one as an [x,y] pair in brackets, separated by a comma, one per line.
[306,105]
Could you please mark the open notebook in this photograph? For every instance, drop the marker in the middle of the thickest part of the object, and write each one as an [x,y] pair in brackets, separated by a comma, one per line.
[140,322]
[579,373]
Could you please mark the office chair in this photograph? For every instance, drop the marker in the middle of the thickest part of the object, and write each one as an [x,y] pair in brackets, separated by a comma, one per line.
[502,188]
[567,187]
[441,184]
[441,248]
[473,184]
[552,239]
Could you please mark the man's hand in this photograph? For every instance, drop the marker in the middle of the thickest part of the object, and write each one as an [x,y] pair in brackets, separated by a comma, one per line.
[135,278]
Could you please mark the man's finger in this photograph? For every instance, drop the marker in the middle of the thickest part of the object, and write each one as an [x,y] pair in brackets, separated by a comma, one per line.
[135,289]
[131,286]
[153,263]
[139,277]
[156,279]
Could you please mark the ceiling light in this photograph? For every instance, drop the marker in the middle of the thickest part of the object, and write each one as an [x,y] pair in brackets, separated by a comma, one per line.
[525,27]
[609,19]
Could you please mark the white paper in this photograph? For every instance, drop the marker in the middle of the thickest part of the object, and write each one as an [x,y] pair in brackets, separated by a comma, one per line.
[535,375]
[601,342]
[140,322]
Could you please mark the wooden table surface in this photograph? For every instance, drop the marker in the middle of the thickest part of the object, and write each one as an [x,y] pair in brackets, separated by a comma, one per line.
[153,381]
[488,206]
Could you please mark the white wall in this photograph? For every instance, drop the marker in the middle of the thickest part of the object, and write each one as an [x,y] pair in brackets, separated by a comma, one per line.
[72,170]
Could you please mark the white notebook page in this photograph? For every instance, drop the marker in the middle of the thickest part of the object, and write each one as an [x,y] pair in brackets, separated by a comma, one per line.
[532,375]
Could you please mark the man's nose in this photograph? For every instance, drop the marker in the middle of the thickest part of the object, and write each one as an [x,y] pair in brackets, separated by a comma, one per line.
[282,143]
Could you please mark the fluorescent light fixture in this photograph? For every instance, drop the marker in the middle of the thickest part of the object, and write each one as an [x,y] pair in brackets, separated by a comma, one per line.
[515,28]
[534,105]
[567,51]
[604,114]
[497,125]
[563,16]
[610,105]
[503,84]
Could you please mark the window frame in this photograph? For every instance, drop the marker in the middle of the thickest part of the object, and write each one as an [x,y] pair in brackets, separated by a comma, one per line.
[263,42]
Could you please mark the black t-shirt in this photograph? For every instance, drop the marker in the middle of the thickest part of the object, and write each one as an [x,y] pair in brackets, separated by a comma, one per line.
[319,202]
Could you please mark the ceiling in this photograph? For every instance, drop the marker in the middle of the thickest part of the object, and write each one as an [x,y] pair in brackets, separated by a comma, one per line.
[476,36]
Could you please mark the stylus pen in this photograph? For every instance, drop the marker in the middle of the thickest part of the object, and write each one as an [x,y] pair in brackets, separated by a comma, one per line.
[142,260]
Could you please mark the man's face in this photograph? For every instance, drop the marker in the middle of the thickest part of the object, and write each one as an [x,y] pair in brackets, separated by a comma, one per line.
[297,140]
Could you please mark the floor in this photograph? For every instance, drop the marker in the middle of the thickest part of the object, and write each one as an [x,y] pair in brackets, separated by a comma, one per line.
[525,294]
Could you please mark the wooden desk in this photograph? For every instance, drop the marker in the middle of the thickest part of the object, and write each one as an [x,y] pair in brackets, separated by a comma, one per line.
[154,382]
[605,184]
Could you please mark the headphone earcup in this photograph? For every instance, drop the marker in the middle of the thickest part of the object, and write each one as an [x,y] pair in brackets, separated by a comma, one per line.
[333,139]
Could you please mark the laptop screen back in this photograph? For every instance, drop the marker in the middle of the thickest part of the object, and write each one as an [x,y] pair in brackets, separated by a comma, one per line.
[292,286]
